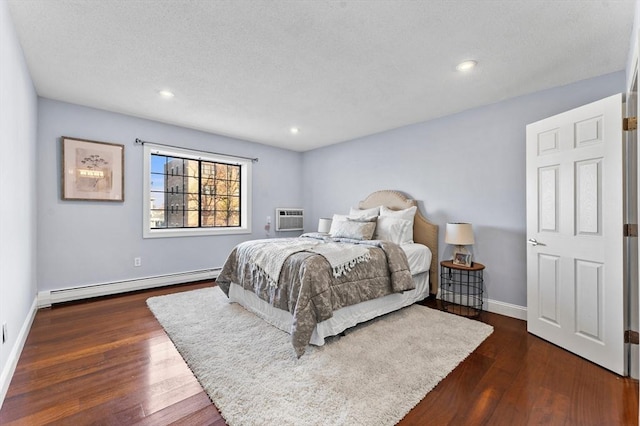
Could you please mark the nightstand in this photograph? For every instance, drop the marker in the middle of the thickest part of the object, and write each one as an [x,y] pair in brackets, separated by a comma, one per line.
[461,288]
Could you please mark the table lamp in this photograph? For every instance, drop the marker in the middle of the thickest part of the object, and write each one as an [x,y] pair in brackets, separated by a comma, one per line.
[460,235]
[324,225]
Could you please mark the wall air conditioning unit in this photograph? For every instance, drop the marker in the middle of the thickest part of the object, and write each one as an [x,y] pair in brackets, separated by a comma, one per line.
[289,219]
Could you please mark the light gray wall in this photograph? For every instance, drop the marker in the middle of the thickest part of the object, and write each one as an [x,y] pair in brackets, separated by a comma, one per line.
[18,116]
[467,167]
[82,243]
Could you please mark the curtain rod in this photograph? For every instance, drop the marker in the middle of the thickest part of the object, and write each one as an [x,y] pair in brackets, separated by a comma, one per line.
[141,142]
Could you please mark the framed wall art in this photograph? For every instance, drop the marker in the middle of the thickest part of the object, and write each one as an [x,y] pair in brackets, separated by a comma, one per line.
[92,171]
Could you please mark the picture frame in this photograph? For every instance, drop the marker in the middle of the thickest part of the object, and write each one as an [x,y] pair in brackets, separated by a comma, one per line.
[92,170]
[462,259]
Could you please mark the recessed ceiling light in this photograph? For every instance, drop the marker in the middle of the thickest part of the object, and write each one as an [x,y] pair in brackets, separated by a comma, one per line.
[167,94]
[294,130]
[466,65]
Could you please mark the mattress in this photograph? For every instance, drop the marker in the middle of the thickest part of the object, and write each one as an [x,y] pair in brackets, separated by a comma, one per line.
[419,257]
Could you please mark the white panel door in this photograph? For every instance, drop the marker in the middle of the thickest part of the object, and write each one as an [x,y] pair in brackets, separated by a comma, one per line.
[575,255]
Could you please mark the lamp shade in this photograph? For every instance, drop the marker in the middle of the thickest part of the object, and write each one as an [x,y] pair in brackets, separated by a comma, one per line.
[324,225]
[460,234]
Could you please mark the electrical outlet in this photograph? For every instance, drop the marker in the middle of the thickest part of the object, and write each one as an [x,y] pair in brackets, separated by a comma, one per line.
[137,261]
[5,335]
[268,220]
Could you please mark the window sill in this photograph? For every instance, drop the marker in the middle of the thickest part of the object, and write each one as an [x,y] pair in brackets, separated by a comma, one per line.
[194,232]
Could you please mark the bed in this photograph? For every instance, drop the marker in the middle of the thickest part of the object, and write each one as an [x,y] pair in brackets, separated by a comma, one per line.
[313,295]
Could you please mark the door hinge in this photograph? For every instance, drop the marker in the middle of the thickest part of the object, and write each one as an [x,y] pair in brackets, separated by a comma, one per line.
[630,230]
[629,123]
[631,336]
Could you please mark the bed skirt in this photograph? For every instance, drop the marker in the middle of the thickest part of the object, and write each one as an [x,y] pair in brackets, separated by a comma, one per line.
[342,319]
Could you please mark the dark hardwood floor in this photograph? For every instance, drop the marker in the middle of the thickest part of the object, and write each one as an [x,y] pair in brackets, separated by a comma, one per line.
[108,361]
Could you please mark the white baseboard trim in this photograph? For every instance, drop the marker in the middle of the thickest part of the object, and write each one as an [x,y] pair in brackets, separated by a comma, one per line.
[506,309]
[48,298]
[14,356]
[502,308]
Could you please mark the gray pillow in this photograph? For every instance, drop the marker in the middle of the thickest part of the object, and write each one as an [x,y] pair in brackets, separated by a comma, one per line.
[352,229]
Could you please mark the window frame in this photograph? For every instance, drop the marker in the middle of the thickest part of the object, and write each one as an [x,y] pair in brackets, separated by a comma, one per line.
[245,193]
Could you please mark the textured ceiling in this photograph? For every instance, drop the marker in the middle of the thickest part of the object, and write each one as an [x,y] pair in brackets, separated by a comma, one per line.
[337,70]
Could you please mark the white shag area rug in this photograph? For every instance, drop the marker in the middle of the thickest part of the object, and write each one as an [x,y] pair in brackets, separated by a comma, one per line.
[374,374]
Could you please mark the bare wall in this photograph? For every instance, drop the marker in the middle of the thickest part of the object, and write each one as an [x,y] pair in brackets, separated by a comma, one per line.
[82,243]
[467,167]
[18,117]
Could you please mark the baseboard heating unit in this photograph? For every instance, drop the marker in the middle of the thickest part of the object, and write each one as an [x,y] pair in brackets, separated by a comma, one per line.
[48,298]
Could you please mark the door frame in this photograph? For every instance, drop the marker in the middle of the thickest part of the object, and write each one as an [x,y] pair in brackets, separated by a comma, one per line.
[632,269]
[632,306]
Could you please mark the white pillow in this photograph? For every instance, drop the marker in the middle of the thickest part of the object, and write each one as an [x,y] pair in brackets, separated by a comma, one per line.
[393,229]
[373,211]
[406,214]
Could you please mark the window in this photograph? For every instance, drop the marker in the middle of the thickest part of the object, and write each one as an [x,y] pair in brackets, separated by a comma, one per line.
[195,193]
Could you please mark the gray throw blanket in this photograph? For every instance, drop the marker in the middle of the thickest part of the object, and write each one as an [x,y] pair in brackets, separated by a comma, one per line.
[268,256]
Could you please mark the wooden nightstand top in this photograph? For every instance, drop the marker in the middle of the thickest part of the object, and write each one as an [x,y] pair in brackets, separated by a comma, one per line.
[475,266]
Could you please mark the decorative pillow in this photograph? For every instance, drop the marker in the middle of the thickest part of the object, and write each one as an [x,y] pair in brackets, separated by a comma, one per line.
[392,229]
[373,211]
[352,229]
[406,214]
[355,218]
